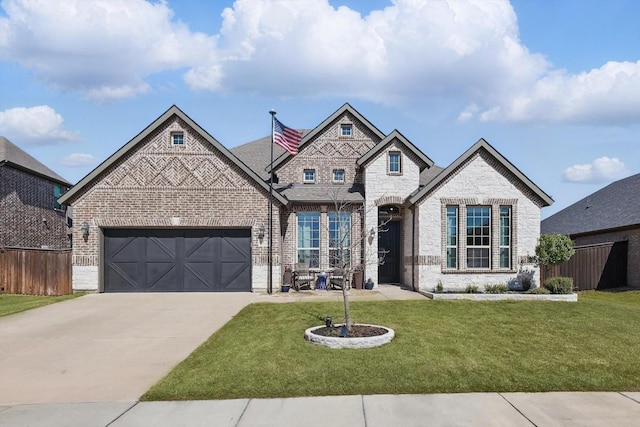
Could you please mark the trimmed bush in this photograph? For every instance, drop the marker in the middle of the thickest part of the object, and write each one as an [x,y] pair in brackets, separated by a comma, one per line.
[526,283]
[496,289]
[539,291]
[559,285]
[471,289]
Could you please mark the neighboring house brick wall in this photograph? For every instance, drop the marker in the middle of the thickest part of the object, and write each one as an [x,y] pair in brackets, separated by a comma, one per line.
[478,182]
[165,186]
[26,201]
[330,151]
[383,188]
[632,236]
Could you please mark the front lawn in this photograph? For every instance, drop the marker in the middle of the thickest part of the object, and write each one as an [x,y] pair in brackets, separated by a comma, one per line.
[440,347]
[10,304]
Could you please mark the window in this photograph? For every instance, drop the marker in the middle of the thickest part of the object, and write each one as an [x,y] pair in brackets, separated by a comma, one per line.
[309,239]
[309,175]
[452,237]
[177,138]
[57,192]
[338,175]
[394,162]
[505,237]
[345,131]
[339,239]
[478,236]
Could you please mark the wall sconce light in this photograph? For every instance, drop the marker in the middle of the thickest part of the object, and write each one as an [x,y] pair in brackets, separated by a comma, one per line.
[372,233]
[261,232]
[85,230]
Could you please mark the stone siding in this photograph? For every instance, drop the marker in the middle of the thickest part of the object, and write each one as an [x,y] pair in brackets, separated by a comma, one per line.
[27,215]
[384,188]
[164,186]
[478,182]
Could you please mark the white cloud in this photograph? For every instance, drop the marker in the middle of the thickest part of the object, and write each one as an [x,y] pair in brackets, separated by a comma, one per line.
[78,160]
[412,52]
[102,49]
[40,124]
[600,170]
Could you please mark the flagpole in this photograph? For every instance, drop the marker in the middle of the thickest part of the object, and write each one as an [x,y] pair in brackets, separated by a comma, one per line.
[270,277]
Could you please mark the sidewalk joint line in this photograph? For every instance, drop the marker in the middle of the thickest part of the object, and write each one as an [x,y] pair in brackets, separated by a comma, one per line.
[243,412]
[628,397]
[519,411]
[122,414]
[364,412]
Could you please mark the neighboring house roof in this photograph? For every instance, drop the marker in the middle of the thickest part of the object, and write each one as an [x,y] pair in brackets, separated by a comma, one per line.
[322,193]
[14,156]
[174,110]
[615,206]
[475,148]
[395,135]
[320,128]
[429,174]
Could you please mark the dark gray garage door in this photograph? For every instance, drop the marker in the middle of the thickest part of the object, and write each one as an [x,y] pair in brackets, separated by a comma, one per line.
[177,260]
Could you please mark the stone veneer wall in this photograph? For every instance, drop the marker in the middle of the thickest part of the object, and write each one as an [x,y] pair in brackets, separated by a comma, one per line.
[383,188]
[26,201]
[633,249]
[161,185]
[480,181]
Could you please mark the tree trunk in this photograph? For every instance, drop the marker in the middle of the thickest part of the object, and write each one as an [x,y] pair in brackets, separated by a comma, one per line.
[347,313]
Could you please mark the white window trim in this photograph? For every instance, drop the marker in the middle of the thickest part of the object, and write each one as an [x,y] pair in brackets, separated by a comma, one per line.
[389,154]
[338,181]
[311,248]
[173,135]
[509,235]
[344,125]
[304,176]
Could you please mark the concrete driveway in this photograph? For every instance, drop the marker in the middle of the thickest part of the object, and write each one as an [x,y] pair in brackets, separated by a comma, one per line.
[105,347]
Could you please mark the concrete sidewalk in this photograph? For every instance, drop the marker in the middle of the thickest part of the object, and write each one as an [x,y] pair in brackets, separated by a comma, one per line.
[474,409]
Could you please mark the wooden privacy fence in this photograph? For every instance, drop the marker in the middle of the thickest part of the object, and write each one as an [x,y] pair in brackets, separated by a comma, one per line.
[600,266]
[35,271]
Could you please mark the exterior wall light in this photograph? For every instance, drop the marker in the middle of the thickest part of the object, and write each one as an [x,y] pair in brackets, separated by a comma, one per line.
[85,230]
[372,233]
[261,232]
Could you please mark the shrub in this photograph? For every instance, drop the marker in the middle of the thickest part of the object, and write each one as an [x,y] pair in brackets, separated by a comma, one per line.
[439,288]
[559,285]
[496,289]
[538,291]
[471,289]
[553,249]
[526,283]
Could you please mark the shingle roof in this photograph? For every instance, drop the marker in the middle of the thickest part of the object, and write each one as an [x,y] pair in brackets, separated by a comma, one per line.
[11,154]
[321,193]
[395,136]
[614,206]
[427,175]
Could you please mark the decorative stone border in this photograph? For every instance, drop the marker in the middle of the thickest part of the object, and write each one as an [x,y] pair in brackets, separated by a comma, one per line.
[346,342]
[503,297]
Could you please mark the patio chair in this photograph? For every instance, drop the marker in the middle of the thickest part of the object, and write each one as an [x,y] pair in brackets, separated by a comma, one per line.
[338,279]
[302,277]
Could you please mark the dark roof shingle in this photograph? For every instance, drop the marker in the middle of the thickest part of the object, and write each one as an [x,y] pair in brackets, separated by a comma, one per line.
[11,153]
[614,206]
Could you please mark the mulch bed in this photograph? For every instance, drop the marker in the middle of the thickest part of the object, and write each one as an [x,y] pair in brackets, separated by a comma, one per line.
[357,331]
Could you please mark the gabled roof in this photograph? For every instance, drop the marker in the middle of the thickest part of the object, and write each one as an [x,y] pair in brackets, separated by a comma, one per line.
[174,110]
[321,127]
[615,206]
[14,156]
[478,146]
[395,135]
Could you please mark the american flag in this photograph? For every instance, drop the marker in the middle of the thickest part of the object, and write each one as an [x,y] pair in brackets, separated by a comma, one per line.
[285,137]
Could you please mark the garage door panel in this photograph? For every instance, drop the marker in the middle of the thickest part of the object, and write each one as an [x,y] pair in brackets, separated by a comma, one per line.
[177,260]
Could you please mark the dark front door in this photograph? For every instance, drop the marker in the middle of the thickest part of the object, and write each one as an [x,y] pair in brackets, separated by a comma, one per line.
[389,251]
[177,260]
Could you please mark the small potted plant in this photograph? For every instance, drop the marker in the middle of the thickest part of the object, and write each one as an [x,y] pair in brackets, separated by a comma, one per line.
[369,284]
[288,275]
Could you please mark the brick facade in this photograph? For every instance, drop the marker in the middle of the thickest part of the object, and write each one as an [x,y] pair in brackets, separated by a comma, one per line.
[159,185]
[27,215]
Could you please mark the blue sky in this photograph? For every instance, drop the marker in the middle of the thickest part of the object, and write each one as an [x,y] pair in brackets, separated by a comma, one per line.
[553,85]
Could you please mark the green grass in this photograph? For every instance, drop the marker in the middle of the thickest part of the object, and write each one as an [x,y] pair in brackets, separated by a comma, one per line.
[440,347]
[10,304]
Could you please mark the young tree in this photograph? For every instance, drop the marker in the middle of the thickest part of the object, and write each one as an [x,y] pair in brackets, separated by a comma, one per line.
[553,249]
[347,242]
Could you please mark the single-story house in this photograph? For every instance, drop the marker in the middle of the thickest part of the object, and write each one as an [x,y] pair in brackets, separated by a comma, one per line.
[175,210]
[30,215]
[605,227]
